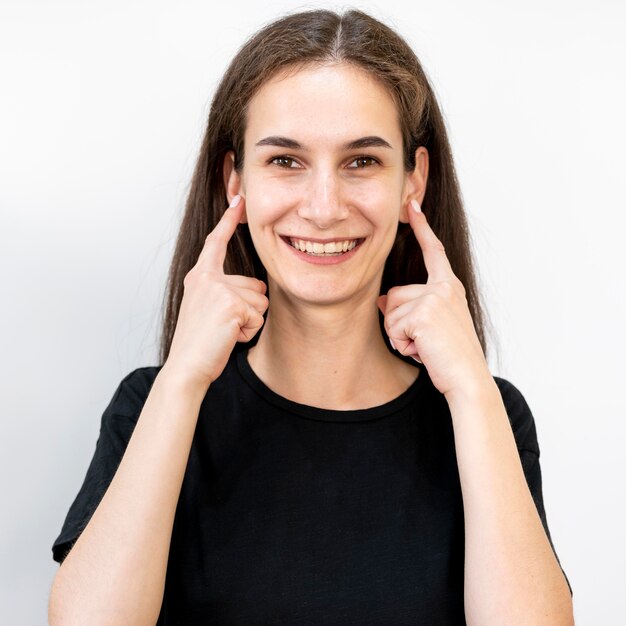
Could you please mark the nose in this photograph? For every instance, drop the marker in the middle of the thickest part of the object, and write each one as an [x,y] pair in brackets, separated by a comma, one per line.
[322,205]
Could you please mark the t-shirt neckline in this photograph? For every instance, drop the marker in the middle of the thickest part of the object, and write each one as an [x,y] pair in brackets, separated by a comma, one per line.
[326,415]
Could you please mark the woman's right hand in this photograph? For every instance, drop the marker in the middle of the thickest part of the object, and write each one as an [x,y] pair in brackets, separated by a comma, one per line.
[217,309]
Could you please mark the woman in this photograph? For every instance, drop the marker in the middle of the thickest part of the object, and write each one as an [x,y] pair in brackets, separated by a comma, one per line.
[309,450]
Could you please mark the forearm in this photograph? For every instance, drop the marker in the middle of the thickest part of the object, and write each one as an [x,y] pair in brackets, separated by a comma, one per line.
[115,572]
[511,573]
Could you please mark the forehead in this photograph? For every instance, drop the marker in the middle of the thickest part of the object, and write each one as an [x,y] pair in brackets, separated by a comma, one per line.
[323,106]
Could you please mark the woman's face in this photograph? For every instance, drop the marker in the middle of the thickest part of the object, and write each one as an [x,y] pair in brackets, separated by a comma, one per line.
[323,170]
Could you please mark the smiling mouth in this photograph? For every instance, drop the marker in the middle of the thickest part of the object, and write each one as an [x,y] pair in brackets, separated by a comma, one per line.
[315,248]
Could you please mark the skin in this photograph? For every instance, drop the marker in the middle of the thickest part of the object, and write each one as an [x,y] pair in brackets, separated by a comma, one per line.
[322,191]
[321,344]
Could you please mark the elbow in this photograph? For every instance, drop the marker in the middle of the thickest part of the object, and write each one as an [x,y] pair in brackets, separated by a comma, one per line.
[65,608]
[61,609]
[563,613]
[567,604]
[568,612]
[55,617]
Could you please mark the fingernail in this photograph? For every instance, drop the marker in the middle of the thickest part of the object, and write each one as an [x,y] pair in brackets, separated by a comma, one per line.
[391,342]
[416,359]
[235,200]
[416,205]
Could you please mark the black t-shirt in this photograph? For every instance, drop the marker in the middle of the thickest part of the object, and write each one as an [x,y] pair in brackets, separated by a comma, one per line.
[291,514]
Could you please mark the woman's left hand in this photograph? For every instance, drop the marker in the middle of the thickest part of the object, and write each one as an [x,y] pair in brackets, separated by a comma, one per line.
[432,322]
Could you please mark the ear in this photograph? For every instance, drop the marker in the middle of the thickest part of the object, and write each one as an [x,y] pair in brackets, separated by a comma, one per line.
[233,183]
[415,183]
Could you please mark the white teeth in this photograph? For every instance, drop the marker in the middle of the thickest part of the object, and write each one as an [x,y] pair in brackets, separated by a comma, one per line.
[334,247]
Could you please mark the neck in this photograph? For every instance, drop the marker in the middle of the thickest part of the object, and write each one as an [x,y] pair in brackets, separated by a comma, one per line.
[328,356]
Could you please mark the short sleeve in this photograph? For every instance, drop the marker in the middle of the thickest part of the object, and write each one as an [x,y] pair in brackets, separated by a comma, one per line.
[525,433]
[116,427]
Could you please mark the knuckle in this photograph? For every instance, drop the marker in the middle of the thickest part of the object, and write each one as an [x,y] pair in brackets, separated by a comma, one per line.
[432,299]
[392,297]
[257,285]
[460,287]
[229,298]
[447,288]
[393,291]
[189,279]
[418,334]
[437,245]
[204,280]
[431,306]
[199,276]
[257,318]
[451,288]
[251,319]
[420,317]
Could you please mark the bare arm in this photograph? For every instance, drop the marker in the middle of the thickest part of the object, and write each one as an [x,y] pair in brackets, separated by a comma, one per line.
[115,573]
[511,573]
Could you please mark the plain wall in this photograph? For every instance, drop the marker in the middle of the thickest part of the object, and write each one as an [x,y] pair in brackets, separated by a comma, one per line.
[102,109]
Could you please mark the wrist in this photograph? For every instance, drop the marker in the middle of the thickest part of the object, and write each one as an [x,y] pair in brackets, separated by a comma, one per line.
[181,380]
[479,389]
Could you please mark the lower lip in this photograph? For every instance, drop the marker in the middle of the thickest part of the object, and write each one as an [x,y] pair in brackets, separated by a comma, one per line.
[326,259]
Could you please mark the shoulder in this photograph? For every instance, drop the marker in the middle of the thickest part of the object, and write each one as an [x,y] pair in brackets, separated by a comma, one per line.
[520,415]
[132,391]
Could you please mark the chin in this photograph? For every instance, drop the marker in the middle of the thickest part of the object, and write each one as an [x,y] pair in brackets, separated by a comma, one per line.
[318,292]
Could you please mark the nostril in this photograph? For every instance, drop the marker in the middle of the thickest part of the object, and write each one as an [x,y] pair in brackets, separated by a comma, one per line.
[324,221]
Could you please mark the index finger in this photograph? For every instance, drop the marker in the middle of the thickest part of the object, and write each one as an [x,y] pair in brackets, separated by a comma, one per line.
[214,251]
[435,258]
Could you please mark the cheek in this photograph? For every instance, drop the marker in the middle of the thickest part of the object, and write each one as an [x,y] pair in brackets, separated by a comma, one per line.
[381,209]
[376,195]
[266,203]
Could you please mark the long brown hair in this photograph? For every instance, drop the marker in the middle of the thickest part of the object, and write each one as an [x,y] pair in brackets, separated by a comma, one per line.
[290,43]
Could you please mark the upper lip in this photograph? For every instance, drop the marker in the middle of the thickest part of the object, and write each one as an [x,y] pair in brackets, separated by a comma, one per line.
[318,240]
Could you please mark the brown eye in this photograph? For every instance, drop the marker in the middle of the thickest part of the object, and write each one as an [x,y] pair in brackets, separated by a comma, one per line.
[364,162]
[282,161]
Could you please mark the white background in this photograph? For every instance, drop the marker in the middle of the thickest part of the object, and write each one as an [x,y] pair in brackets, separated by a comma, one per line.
[102,108]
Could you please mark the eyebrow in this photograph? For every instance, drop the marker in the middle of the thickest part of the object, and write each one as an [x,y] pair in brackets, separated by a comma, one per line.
[371,141]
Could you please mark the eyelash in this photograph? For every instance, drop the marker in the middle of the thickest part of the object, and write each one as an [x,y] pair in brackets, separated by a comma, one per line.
[358,158]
